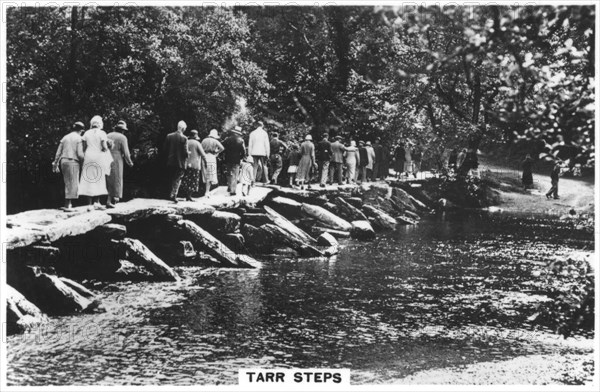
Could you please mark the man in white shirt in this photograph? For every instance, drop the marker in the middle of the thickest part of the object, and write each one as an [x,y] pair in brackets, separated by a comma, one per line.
[260,149]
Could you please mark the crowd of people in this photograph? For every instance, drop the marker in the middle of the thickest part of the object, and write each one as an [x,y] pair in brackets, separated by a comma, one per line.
[91,161]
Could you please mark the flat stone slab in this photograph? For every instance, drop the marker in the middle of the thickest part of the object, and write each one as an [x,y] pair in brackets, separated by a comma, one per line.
[49,225]
[36,226]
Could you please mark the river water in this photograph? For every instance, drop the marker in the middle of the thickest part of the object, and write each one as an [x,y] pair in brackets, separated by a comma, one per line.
[452,290]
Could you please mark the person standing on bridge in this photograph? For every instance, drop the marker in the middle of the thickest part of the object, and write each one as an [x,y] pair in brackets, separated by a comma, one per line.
[352,160]
[96,163]
[370,161]
[193,164]
[323,155]
[235,150]
[260,148]
[120,152]
[68,161]
[377,161]
[277,148]
[399,157]
[337,161]
[212,147]
[176,149]
[307,162]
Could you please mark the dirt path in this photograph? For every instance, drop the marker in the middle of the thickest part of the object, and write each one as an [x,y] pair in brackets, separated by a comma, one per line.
[575,193]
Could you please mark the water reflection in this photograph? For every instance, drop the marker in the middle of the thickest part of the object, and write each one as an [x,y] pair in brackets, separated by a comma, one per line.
[452,290]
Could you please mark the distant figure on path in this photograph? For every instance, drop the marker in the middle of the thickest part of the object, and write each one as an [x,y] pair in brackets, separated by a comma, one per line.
[120,152]
[337,161]
[352,160]
[235,150]
[68,159]
[377,161]
[277,148]
[247,175]
[371,160]
[176,149]
[294,160]
[527,178]
[193,165]
[260,148]
[554,175]
[96,163]
[212,147]
[399,156]
[307,162]
[323,154]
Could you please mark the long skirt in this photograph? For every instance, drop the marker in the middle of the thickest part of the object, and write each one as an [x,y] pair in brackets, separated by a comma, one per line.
[408,166]
[96,166]
[190,181]
[209,169]
[304,167]
[70,171]
[527,178]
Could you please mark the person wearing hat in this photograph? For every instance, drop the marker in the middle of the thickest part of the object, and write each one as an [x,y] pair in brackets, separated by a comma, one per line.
[399,157]
[364,161]
[293,162]
[235,150]
[377,161]
[119,150]
[370,160]
[175,148]
[67,160]
[97,161]
[337,160]
[277,148]
[323,158]
[352,160]
[260,148]
[212,147]
[246,177]
[307,162]
[193,164]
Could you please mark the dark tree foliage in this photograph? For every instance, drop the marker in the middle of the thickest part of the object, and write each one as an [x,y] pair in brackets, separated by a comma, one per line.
[444,77]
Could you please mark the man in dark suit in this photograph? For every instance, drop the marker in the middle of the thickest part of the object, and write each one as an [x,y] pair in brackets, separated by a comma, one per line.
[323,159]
[337,160]
[176,149]
[235,151]
[377,164]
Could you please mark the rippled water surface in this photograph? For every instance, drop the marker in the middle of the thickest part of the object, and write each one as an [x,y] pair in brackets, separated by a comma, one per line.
[450,291]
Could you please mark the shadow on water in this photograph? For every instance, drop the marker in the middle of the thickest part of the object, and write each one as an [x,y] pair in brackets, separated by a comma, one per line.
[452,290]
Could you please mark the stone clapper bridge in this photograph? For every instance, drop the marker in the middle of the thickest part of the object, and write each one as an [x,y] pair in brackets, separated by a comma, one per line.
[49,250]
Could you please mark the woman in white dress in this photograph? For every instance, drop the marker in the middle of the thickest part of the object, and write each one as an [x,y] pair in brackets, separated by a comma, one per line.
[96,163]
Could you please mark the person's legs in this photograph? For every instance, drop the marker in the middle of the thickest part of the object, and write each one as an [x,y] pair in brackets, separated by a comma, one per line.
[265,168]
[324,167]
[176,182]
[555,195]
[375,171]
[256,166]
[207,190]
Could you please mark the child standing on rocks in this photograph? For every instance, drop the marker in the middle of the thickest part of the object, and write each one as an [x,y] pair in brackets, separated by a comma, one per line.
[247,175]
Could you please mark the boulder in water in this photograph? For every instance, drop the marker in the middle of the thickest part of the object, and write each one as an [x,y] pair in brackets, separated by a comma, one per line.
[362,230]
